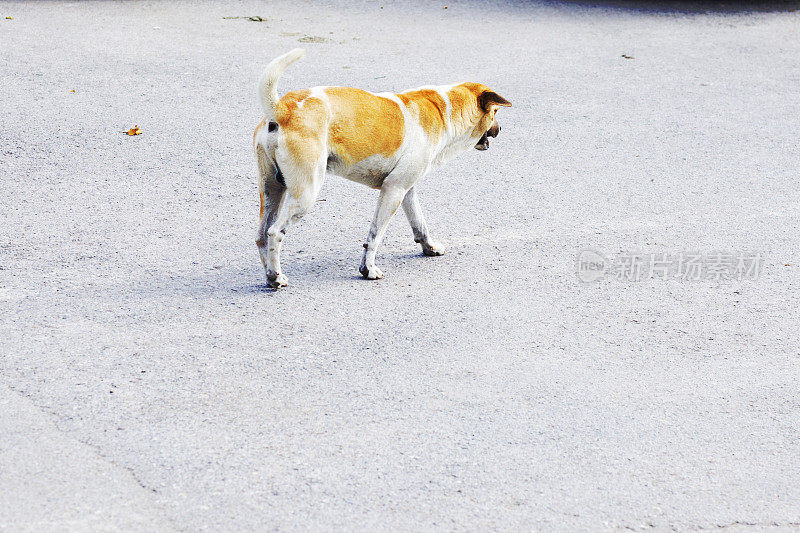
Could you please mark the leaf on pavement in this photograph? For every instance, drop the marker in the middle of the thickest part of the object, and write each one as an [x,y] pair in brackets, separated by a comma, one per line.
[312,39]
[133,131]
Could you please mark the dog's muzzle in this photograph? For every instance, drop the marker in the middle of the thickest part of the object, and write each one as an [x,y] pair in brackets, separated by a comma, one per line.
[483,143]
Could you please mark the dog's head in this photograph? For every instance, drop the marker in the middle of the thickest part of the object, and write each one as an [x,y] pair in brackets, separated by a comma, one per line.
[488,102]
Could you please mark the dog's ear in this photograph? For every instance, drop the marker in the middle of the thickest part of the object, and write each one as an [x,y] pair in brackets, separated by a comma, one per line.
[489,98]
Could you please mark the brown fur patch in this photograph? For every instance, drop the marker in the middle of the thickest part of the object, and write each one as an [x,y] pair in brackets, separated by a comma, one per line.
[474,88]
[288,105]
[363,124]
[464,106]
[429,108]
[261,205]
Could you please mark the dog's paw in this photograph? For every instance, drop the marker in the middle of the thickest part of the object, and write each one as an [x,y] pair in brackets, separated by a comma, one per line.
[276,281]
[371,273]
[433,249]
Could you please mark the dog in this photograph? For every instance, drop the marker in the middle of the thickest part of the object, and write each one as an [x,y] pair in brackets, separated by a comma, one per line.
[385,141]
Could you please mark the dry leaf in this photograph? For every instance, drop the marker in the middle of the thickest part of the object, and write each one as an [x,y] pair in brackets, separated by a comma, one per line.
[627,56]
[312,39]
[133,131]
[72,91]
[9,18]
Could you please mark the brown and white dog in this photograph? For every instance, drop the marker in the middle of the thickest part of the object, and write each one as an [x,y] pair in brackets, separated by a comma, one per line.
[385,141]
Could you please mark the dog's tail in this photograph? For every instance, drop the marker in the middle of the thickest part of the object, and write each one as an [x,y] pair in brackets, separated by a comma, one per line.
[268,84]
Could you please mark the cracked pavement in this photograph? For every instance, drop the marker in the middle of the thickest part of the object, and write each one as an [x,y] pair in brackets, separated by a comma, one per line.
[150,382]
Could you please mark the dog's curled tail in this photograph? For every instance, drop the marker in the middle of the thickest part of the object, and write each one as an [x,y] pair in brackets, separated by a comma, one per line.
[268,84]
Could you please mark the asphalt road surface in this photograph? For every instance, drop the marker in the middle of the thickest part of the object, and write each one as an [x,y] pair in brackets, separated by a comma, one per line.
[150,381]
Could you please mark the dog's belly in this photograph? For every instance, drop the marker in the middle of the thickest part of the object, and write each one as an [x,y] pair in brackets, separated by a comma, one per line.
[370,171]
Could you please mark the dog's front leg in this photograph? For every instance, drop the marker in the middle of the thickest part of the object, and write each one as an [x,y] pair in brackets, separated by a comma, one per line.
[418,225]
[389,200]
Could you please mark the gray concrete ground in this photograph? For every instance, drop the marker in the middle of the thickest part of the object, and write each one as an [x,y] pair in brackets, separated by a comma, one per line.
[151,382]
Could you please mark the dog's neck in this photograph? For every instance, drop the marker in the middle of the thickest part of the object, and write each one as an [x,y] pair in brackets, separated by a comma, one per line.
[455,145]
[459,137]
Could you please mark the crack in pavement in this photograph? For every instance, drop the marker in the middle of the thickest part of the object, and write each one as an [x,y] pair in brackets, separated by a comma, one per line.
[50,421]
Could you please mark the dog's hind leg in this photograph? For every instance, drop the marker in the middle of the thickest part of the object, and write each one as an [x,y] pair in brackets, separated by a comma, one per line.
[418,225]
[294,204]
[271,192]
[271,199]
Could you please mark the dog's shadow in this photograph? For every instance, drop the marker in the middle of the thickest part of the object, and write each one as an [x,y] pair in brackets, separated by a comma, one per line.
[242,275]
[246,277]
